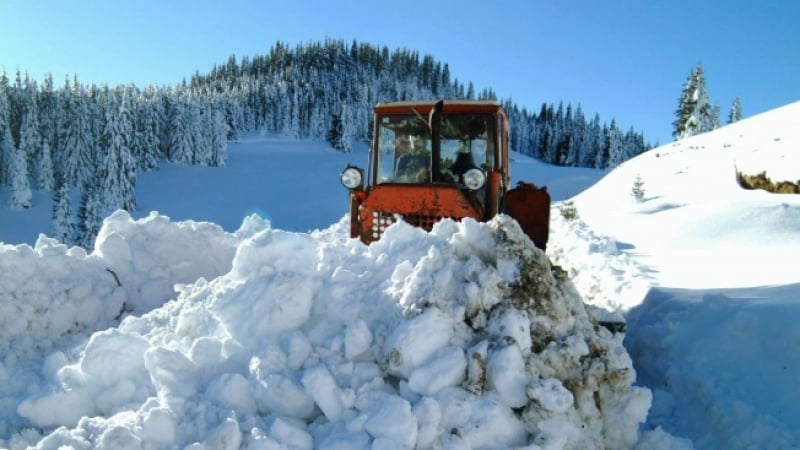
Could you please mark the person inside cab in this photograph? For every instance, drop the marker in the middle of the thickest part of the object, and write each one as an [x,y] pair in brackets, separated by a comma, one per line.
[413,159]
[463,162]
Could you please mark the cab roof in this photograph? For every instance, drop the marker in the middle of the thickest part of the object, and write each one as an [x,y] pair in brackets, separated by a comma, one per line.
[449,106]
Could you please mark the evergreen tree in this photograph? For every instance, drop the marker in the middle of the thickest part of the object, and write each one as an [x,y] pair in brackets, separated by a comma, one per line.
[144,143]
[63,227]
[119,167]
[49,113]
[616,145]
[180,144]
[17,100]
[198,124]
[735,114]
[470,91]
[219,142]
[335,132]
[291,126]
[46,177]
[90,213]
[348,129]
[637,191]
[6,142]
[20,195]
[31,146]
[76,151]
[695,113]
[594,143]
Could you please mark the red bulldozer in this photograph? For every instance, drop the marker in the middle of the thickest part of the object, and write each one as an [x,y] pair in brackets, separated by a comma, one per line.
[431,160]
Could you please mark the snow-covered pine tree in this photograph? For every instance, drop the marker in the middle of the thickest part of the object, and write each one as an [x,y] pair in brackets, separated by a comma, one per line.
[198,124]
[49,113]
[637,191]
[20,195]
[45,176]
[348,129]
[579,142]
[616,145]
[6,142]
[291,126]
[90,213]
[602,156]
[594,142]
[634,144]
[219,139]
[695,113]
[470,91]
[180,143]
[334,134]
[35,149]
[686,105]
[29,126]
[119,167]
[317,125]
[145,145]
[735,114]
[76,152]
[63,227]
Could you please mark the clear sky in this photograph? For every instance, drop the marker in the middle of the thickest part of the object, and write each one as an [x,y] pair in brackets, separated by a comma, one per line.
[623,59]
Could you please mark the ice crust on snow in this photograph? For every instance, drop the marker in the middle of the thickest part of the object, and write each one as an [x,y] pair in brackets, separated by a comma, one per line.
[464,337]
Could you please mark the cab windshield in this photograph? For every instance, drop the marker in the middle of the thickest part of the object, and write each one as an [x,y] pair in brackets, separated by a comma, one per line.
[405,149]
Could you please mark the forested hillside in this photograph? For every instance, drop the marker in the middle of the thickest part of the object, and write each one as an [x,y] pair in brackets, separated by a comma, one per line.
[319,88]
[89,142]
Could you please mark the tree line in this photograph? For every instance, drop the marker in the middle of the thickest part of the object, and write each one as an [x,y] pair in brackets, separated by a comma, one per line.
[327,90]
[95,139]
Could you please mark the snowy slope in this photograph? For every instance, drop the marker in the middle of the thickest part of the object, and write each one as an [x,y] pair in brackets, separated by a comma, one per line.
[713,310]
[701,269]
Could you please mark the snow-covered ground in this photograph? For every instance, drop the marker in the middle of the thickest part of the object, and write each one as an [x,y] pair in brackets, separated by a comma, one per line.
[241,316]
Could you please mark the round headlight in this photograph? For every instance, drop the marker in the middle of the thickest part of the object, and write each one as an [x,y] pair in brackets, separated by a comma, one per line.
[351,178]
[474,179]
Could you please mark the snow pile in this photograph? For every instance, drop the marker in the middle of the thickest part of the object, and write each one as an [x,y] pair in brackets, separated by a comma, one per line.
[464,337]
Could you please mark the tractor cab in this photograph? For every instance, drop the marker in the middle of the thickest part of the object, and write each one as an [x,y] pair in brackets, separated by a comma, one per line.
[432,160]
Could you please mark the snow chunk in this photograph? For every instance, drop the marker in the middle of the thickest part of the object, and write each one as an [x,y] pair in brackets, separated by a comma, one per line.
[416,340]
[357,339]
[388,419]
[508,376]
[447,368]
[321,386]
[552,395]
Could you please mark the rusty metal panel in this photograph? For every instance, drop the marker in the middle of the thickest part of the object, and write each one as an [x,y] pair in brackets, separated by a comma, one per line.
[529,205]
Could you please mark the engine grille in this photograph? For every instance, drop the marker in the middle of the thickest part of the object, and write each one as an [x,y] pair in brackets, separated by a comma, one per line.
[421,221]
[381,220]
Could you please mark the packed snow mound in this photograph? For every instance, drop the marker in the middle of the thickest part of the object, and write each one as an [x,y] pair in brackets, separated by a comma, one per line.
[464,337]
[609,279]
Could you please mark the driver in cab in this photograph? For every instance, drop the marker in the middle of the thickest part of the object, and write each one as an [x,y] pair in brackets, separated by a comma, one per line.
[413,160]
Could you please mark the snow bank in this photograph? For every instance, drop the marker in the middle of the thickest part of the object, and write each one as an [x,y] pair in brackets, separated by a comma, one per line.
[608,278]
[694,346]
[464,337]
[52,298]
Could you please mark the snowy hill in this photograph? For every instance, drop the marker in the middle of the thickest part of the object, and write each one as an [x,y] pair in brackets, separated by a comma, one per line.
[175,331]
[711,330]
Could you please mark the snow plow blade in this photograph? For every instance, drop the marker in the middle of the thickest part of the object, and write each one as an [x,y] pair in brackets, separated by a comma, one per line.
[529,205]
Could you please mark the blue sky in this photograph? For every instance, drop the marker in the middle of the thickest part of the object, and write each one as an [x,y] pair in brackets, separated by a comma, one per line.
[623,59]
